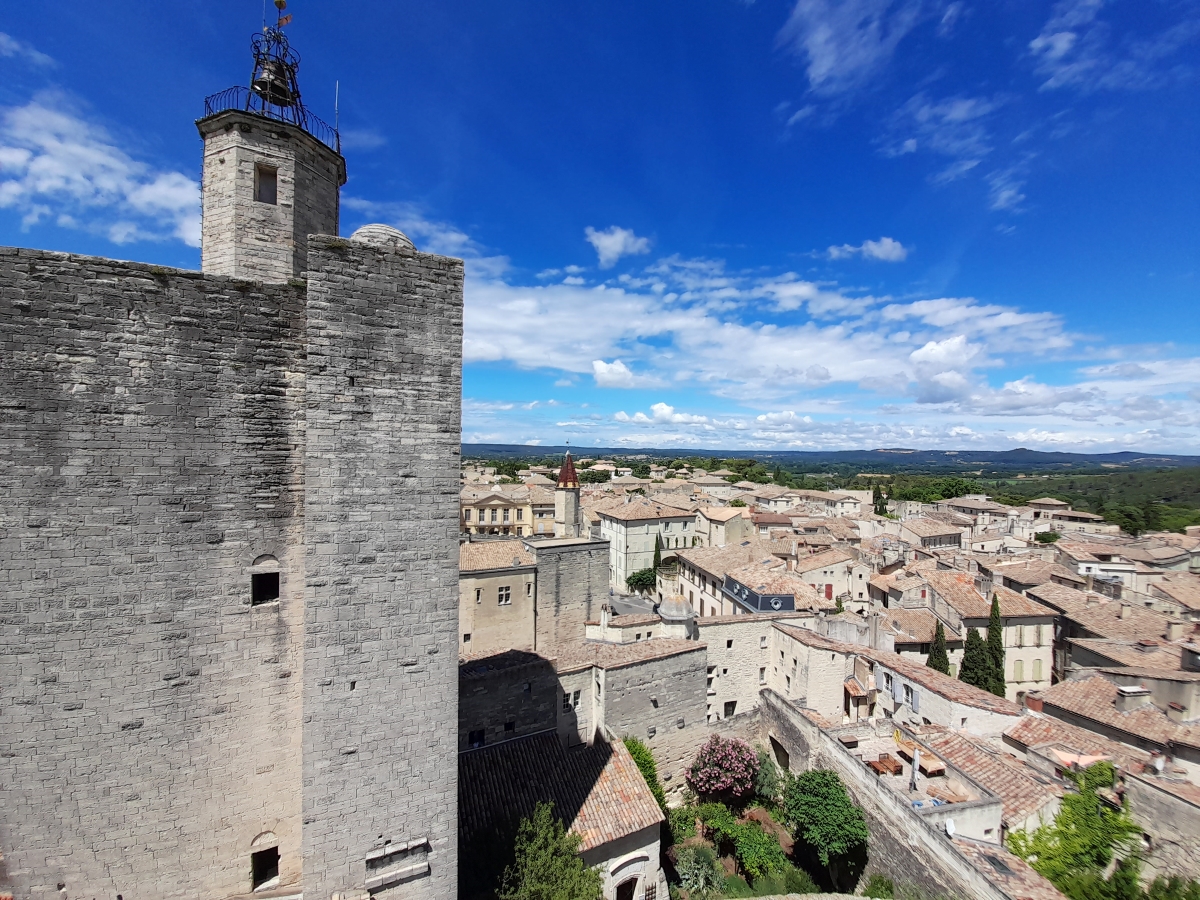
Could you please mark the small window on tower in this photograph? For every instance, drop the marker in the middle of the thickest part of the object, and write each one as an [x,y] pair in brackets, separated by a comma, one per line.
[264,587]
[266,185]
[264,868]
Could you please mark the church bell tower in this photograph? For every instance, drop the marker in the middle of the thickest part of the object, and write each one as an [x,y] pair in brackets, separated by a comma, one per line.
[566,501]
[272,169]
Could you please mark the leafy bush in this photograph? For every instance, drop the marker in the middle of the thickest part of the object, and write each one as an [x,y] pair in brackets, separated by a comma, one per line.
[736,886]
[645,762]
[698,869]
[817,806]
[737,502]
[1173,888]
[1046,537]
[880,886]
[724,768]
[758,852]
[641,580]
[790,881]
[768,783]
[594,476]
[547,862]
[682,822]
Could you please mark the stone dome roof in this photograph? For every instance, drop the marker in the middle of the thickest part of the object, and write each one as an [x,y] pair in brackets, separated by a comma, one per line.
[675,609]
[382,236]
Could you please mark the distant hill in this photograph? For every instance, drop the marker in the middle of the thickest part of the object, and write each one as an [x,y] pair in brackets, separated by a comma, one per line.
[883,460]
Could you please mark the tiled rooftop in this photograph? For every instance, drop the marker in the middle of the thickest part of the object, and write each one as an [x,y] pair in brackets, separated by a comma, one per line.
[821,560]
[1152,655]
[597,790]
[478,556]
[958,589]
[925,527]
[1095,699]
[716,561]
[641,510]
[1182,587]
[1101,616]
[914,626]
[1034,730]
[1022,790]
[950,688]
[605,655]
[1012,875]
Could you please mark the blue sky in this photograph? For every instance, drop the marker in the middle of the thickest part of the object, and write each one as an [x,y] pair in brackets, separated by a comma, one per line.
[800,224]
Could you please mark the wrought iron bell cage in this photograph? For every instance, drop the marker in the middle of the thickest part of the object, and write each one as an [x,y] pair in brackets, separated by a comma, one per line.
[274,91]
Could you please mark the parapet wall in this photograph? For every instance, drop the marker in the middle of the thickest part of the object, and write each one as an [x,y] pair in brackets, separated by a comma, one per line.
[151,438]
[902,845]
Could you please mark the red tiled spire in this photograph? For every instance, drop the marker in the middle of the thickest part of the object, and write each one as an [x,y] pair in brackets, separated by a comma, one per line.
[566,475]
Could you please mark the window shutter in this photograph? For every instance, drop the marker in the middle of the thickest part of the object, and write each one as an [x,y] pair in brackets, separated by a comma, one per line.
[916,704]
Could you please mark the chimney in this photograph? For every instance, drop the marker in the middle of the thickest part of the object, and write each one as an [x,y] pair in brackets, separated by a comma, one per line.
[1033,701]
[1126,610]
[1174,630]
[1175,712]
[1130,697]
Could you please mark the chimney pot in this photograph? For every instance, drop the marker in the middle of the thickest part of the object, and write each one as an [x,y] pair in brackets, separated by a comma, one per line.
[1126,610]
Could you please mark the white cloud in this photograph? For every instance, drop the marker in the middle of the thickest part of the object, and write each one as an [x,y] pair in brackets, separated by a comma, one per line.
[618,375]
[847,42]
[364,139]
[1074,49]
[56,165]
[954,127]
[12,48]
[615,242]
[885,249]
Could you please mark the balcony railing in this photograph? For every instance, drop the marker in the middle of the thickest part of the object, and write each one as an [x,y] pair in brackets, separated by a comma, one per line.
[246,100]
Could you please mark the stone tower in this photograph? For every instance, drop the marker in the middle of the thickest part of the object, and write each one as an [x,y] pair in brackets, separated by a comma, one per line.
[272,172]
[566,501]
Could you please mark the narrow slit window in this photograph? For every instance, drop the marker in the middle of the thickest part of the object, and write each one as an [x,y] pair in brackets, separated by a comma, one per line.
[264,587]
[266,185]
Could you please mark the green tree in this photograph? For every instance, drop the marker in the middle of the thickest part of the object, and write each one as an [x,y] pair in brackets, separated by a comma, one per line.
[939,659]
[820,812]
[546,864]
[1076,848]
[738,502]
[645,762]
[995,646]
[641,470]
[699,871]
[976,666]
[768,782]
[657,551]
[641,580]
[878,500]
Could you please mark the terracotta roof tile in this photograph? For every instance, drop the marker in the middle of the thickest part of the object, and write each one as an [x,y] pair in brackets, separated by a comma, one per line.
[924,527]
[821,560]
[604,655]
[1095,699]
[914,626]
[1101,616]
[1022,790]
[1182,587]
[479,556]
[1012,875]
[958,589]
[1035,730]
[642,510]
[597,790]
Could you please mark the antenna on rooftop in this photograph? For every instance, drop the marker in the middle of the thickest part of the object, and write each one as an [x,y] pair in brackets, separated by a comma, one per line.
[337,90]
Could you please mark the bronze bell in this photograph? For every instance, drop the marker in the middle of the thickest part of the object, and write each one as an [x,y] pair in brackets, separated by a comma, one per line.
[272,83]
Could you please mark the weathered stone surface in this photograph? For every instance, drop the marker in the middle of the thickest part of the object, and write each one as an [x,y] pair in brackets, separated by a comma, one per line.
[161,433]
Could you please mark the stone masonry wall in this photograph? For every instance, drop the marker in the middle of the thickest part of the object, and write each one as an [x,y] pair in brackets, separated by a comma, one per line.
[572,584]
[383,420]
[248,239]
[151,432]
[666,695]
[527,696]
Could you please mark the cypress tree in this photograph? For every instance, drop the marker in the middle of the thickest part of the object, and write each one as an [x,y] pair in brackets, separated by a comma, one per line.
[976,662]
[995,646]
[939,659]
[657,551]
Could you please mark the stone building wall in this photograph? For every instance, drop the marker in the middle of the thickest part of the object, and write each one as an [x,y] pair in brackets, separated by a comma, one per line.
[739,659]
[494,692]
[1171,818]
[246,238]
[492,626]
[666,695]
[382,419]
[164,437]
[572,584]
[151,441]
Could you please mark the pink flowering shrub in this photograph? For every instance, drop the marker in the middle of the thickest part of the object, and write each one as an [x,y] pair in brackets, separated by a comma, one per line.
[723,769]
